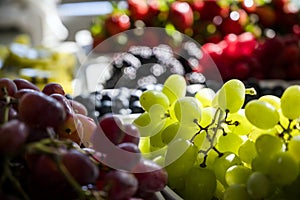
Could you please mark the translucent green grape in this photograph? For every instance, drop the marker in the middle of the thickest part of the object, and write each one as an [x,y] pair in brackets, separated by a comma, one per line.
[237,174]
[200,183]
[294,147]
[205,96]
[236,192]
[221,164]
[240,124]
[290,99]
[174,87]
[187,110]
[207,116]
[261,114]
[231,96]
[247,151]
[259,185]
[267,145]
[272,99]
[283,169]
[230,142]
[152,97]
[260,163]
[180,157]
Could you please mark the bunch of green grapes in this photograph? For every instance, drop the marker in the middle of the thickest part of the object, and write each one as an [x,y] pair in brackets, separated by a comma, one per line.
[215,146]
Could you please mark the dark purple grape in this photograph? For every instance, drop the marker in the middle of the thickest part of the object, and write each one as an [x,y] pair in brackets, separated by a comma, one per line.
[81,167]
[53,88]
[78,107]
[151,176]
[7,87]
[120,185]
[40,110]
[25,84]
[13,135]
[64,101]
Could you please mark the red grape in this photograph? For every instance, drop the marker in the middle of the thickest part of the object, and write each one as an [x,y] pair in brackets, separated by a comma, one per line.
[120,185]
[38,109]
[53,88]
[151,176]
[13,135]
[7,87]
[25,84]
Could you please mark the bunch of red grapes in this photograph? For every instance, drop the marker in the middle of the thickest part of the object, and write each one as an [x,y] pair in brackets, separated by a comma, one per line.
[270,28]
[47,149]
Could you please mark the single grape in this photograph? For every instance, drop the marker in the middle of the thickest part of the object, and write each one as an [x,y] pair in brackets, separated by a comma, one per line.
[221,164]
[174,87]
[120,185]
[294,147]
[200,183]
[205,96]
[267,145]
[131,133]
[80,166]
[7,87]
[247,151]
[231,96]
[229,142]
[188,110]
[240,124]
[13,135]
[290,102]
[25,84]
[151,177]
[272,99]
[38,109]
[237,174]
[283,169]
[259,186]
[260,163]
[207,116]
[53,88]
[236,192]
[180,157]
[261,114]
[78,107]
[64,101]
[154,97]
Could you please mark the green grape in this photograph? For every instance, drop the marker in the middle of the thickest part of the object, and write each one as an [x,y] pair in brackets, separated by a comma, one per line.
[221,164]
[243,126]
[260,163]
[267,145]
[230,142]
[156,141]
[294,147]
[236,192]
[144,145]
[200,139]
[160,160]
[205,96]
[200,183]
[187,110]
[153,97]
[247,151]
[259,185]
[207,116]
[283,169]
[174,87]
[180,157]
[149,124]
[272,99]
[237,174]
[290,99]
[261,114]
[231,96]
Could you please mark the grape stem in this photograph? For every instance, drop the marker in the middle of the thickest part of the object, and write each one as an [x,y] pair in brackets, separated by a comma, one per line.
[217,118]
[285,135]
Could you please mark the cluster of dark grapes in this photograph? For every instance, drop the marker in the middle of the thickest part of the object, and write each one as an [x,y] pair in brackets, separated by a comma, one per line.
[47,149]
